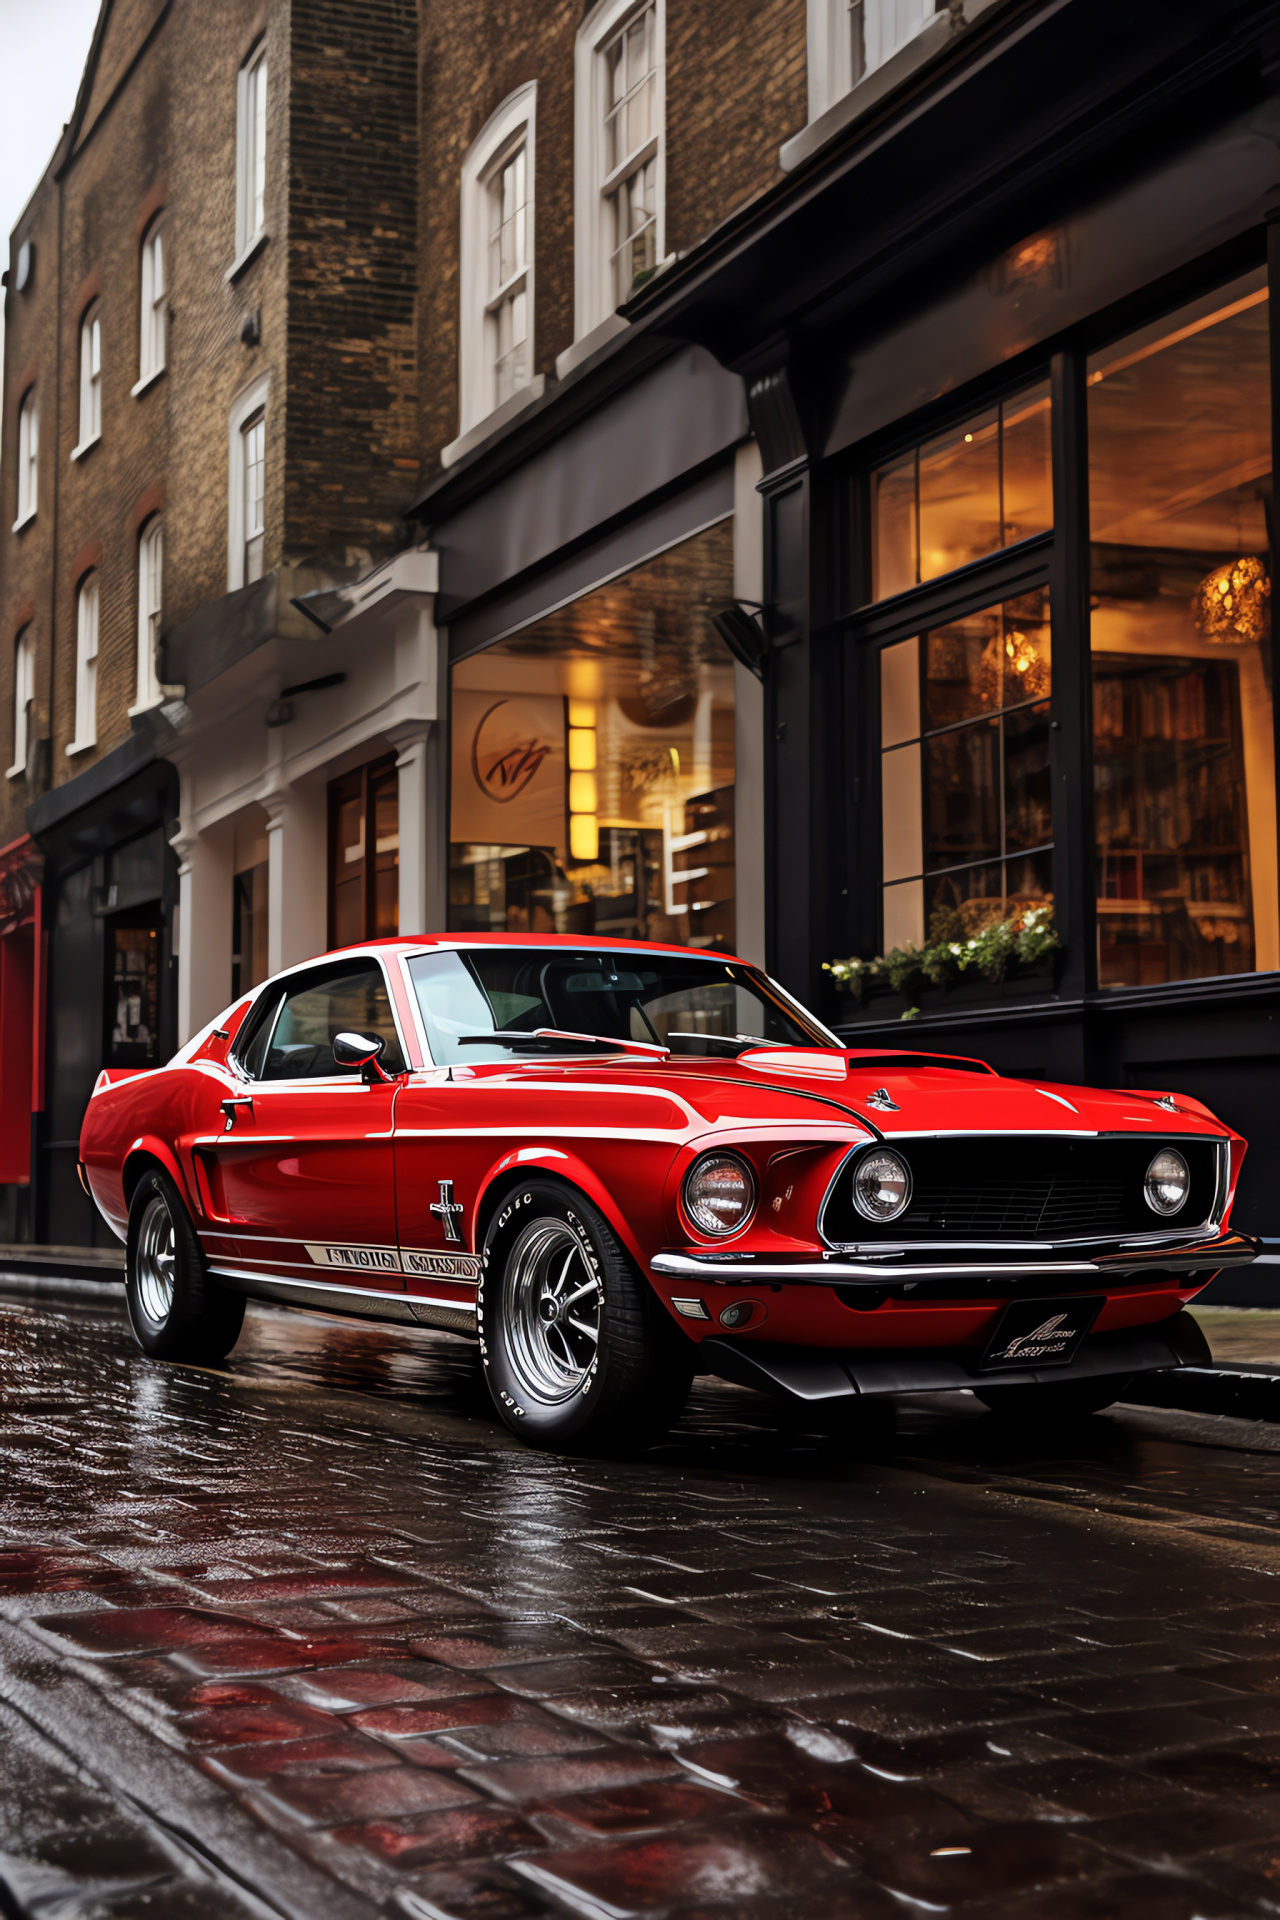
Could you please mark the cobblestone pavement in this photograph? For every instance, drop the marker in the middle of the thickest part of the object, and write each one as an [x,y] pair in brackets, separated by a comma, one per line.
[312,1636]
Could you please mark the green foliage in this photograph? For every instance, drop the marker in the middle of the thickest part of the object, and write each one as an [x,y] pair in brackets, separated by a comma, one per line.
[1021,943]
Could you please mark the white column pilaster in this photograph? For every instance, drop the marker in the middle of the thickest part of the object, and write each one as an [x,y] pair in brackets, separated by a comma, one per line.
[297,881]
[205,883]
[410,741]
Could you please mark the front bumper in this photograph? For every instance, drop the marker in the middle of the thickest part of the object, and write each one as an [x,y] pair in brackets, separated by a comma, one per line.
[1116,1262]
[812,1374]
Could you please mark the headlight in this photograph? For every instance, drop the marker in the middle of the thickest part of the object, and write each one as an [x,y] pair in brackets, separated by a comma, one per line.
[882,1186]
[1167,1183]
[719,1193]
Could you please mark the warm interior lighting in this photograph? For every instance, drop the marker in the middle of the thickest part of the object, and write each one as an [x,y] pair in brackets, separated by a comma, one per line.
[1229,605]
[584,824]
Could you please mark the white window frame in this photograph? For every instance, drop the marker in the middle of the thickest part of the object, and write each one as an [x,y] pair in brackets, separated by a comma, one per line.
[148,691]
[88,616]
[90,380]
[24,693]
[594,304]
[254,399]
[153,302]
[512,125]
[28,457]
[887,27]
[251,151]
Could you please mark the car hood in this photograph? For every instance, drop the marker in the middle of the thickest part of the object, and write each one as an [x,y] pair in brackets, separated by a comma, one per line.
[789,1087]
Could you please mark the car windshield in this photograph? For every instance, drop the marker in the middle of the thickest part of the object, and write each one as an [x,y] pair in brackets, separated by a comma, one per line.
[488,1003]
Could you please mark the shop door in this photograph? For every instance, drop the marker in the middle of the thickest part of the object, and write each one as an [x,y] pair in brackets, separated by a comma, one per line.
[304,1171]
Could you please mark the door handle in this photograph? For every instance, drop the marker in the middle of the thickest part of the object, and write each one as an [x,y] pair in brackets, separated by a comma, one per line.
[228,1107]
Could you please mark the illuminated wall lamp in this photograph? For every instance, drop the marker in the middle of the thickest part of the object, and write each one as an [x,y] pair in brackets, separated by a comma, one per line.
[584,822]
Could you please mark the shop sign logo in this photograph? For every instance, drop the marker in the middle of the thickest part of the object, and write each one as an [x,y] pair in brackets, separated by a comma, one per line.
[503,770]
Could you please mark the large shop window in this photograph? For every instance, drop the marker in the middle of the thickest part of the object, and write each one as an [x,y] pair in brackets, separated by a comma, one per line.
[1183,734]
[364,854]
[964,766]
[593,763]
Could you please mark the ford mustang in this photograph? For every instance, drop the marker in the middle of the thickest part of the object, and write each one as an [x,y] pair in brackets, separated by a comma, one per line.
[616,1165]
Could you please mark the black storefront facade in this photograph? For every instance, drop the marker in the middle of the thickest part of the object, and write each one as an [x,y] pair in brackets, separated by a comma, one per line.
[1005,337]
[109,991]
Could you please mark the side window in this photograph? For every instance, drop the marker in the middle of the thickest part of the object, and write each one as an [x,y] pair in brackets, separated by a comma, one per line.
[298,1043]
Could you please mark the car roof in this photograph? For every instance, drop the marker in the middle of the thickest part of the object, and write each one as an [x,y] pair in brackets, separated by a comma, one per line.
[574,942]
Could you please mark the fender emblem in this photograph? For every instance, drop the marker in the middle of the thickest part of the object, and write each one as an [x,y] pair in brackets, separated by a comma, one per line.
[449,1211]
[880,1099]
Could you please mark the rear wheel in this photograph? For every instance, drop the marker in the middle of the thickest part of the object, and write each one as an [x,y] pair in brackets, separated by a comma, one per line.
[176,1311]
[1058,1400]
[577,1352]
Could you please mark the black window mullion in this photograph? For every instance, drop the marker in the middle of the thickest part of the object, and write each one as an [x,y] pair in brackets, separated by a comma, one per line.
[1071,727]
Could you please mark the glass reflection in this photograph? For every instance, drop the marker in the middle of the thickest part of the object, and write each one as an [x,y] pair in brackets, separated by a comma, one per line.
[970,491]
[1184,759]
[966,799]
[593,763]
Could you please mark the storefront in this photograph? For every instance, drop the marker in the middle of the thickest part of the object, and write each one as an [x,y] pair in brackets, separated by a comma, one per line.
[1016,407]
[592,763]
[110,891]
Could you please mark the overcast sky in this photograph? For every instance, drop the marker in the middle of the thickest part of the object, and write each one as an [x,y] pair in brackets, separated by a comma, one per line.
[43,47]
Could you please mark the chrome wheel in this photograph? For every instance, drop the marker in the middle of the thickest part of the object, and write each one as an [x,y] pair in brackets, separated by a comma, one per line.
[155,1261]
[551,1309]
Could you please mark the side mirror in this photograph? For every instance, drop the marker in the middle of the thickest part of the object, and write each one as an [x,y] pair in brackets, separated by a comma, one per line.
[363,1050]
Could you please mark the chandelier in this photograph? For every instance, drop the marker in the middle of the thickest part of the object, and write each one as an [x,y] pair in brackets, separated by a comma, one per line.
[1230,604]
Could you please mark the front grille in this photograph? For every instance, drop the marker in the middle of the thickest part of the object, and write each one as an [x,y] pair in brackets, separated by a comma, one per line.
[1025,1209]
[995,1188]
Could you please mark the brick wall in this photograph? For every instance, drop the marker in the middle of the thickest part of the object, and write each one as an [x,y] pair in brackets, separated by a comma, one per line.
[352,271]
[735,88]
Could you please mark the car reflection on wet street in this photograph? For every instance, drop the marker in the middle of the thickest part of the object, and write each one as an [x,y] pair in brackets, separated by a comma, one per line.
[312,1635]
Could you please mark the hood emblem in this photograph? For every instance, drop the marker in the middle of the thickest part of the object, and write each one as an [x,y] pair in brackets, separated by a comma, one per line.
[448,1211]
[1167,1101]
[881,1101]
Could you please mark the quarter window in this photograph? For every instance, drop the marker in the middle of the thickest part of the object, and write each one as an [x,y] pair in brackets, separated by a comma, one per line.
[292,1034]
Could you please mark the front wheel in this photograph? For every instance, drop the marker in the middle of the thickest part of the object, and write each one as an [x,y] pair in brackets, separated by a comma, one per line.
[1057,1400]
[176,1311]
[577,1352]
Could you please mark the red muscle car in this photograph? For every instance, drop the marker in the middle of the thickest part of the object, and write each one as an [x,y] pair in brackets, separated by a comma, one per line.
[618,1165]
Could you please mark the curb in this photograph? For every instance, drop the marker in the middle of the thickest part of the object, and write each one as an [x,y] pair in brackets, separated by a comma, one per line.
[1235,1392]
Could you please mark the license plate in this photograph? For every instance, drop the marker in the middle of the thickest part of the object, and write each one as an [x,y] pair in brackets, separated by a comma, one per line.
[1039,1333]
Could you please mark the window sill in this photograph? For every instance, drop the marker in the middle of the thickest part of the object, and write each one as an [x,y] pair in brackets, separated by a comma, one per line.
[80,746]
[25,521]
[246,256]
[493,422]
[78,453]
[609,328]
[881,81]
[139,387]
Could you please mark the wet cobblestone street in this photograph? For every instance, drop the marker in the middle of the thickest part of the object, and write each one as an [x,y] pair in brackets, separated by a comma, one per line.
[313,1636]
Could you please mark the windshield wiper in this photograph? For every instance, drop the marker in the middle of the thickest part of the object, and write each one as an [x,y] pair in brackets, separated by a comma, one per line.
[554,1038]
[732,1044]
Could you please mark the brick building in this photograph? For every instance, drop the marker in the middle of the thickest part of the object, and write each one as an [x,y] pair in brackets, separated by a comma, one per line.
[210,406]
